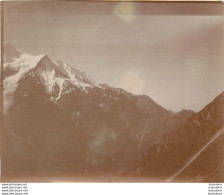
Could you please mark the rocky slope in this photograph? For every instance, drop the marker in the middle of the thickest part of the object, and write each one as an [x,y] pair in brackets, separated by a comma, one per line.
[191,153]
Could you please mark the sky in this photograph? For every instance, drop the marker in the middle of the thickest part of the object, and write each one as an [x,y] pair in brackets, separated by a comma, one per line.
[174,53]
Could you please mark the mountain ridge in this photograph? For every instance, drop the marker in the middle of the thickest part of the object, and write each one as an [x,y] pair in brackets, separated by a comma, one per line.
[176,148]
[32,61]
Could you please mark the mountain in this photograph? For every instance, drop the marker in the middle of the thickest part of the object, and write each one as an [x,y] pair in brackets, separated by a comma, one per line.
[191,153]
[59,123]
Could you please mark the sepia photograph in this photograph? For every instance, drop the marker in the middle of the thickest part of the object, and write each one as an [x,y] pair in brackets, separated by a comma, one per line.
[112,92]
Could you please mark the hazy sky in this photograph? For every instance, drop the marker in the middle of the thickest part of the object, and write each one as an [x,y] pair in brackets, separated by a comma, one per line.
[176,58]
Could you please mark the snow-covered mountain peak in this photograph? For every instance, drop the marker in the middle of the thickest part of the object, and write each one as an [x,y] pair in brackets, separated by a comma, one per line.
[50,73]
